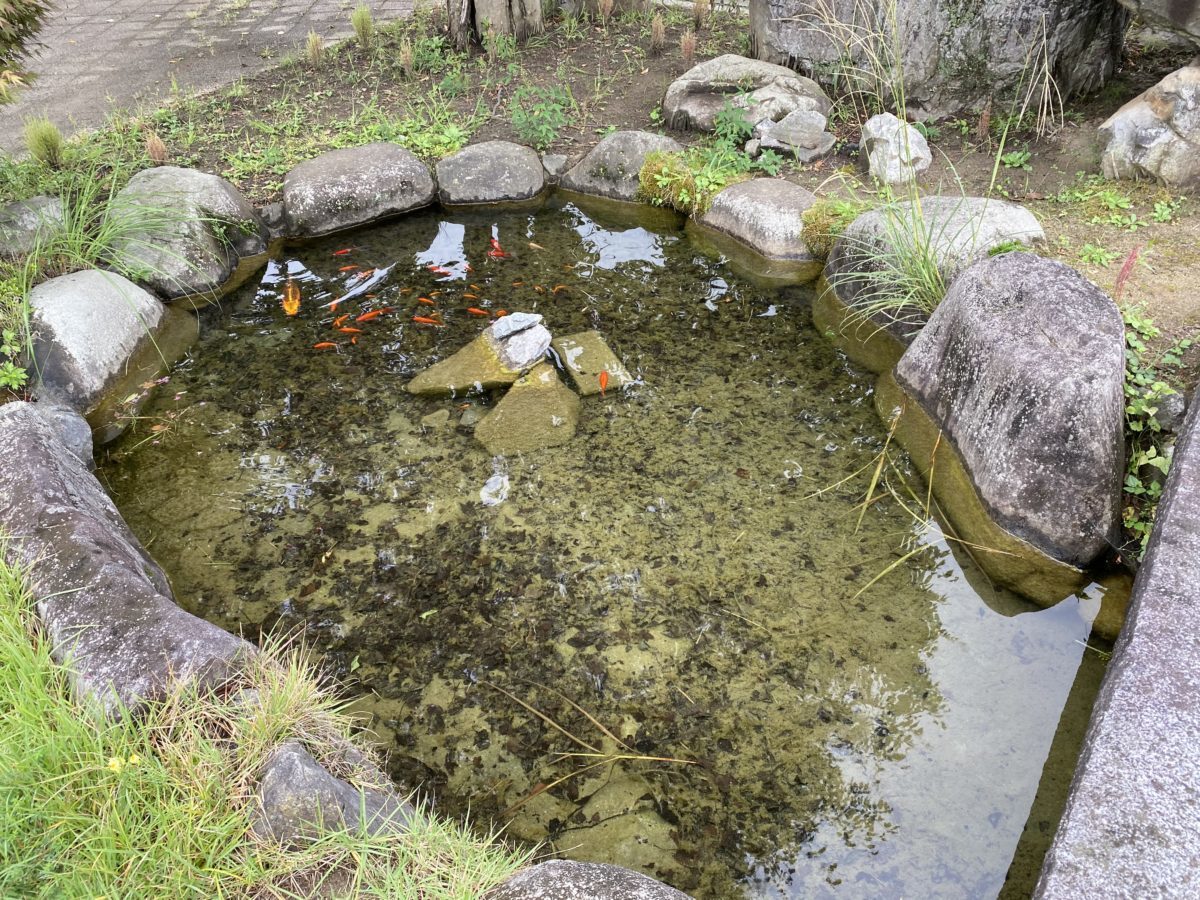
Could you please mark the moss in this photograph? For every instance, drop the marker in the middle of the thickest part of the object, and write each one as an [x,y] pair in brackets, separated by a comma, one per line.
[825,220]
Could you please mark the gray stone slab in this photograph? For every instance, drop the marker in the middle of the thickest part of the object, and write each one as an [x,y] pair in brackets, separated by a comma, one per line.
[612,167]
[1132,822]
[490,172]
[562,879]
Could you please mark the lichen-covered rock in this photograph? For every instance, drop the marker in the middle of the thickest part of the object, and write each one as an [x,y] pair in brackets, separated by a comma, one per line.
[491,172]
[503,352]
[562,879]
[105,605]
[765,217]
[764,90]
[896,152]
[1157,134]
[25,223]
[585,356]
[183,231]
[1179,16]
[1022,365]
[538,411]
[801,133]
[954,55]
[346,188]
[87,327]
[611,168]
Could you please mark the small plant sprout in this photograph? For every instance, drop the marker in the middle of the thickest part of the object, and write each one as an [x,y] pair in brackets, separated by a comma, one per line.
[156,150]
[314,49]
[700,11]
[363,23]
[1017,159]
[687,46]
[12,376]
[1096,255]
[658,34]
[44,142]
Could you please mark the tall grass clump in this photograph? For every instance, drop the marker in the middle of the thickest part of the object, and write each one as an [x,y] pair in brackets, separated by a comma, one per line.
[314,49]
[363,23]
[162,806]
[44,141]
[658,34]
[687,45]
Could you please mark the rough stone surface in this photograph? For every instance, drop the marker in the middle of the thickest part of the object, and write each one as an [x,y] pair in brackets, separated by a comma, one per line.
[24,223]
[1022,364]
[566,880]
[896,152]
[298,800]
[87,326]
[953,55]
[611,168]
[538,411]
[584,356]
[71,429]
[764,90]
[345,188]
[504,351]
[491,172]
[554,165]
[196,228]
[1133,813]
[1179,16]
[765,215]
[1157,134]
[106,606]
[801,133]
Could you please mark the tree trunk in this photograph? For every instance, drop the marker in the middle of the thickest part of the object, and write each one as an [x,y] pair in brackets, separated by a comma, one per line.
[469,19]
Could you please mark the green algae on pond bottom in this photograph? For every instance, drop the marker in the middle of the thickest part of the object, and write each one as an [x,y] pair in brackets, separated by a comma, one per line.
[681,581]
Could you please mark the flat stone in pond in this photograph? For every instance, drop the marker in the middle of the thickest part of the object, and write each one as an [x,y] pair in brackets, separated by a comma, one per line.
[764,90]
[765,216]
[538,411]
[346,188]
[562,879]
[26,222]
[505,350]
[585,355]
[491,172]
[87,327]
[612,167]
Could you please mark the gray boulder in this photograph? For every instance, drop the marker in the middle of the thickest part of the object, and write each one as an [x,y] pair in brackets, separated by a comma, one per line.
[105,605]
[553,166]
[562,879]
[26,223]
[801,133]
[953,56]
[299,800]
[765,216]
[1157,134]
[1179,16]
[87,327]
[491,172]
[762,89]
[612,167]
[71,429]
[183,231]
[1022,365]
[346,188]
[502,353]
[896,152]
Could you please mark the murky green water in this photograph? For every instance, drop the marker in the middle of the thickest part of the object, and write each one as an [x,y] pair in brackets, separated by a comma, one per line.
[678,586]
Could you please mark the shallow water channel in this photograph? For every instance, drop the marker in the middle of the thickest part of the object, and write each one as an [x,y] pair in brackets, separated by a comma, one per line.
[764,695]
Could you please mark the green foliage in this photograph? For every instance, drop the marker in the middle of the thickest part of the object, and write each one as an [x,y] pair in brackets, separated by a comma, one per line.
[1017,159]
[928,130]
[44,142]
[1165,210]
[12,375]
[825,220]
[539,113]
[20,20]
[1007,247]
[731,126]
[1096,255]
[363,23]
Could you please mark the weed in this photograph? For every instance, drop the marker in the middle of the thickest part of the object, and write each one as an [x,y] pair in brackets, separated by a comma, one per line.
[13,376]
[156,150]
[1008,247]
[1165,210]
[406,58]
[363,23]
[1017,159]
[687,46]
[314,49]
[539,113]
[44,142]
[825,220]
[658,34]
[1096,255]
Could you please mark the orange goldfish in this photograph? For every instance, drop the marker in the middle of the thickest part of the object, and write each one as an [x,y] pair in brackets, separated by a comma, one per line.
[425,320]
[350,268]
[340,320]
[603,381]
[558,288]
[374,314]
[291,298]
[474,287]
[324,345]
[501,312]
[475,311]
[348,330]
[345,252]
[470,296]
[426,301]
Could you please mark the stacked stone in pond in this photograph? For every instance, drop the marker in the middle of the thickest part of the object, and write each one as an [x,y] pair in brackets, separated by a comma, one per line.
[538,411]
[502,353]
[586,357]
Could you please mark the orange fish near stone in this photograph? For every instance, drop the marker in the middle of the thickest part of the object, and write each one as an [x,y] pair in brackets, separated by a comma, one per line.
[603,381]
[291,298]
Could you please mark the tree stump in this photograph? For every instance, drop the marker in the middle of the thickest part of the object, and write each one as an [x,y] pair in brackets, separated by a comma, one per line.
[469,19]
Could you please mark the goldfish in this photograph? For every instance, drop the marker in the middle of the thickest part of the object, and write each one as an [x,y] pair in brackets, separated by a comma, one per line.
[474,287]
[347,251]
[335,304]
[365,274]
[350,268]
[439,270]
[533,246]
[354,339]
[558,288]
[425,320]
[324,345]
[476,311]
[518,283]
[291,298]
[426,301]
[497,254]
[603,381]
[341,320]
[501,312]
[467,267]
[470,296]
[374,314]
[539,289]
[348,330]
[405,290]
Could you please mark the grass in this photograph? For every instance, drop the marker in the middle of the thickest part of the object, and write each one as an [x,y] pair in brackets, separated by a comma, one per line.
[162,807]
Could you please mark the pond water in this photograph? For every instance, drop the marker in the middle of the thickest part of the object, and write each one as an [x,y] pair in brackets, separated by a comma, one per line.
[679,642]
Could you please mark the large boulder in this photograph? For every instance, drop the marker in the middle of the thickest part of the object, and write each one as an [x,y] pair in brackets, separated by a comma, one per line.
[503,352]
[26,223]
[762,89]
[612,167]
[1157,134]
[562,879]
[105,605]
[182,232]
[1022,368]
[346,188]
[538,411]
[491,172]
[1179,16]
[885,251]
[953,55]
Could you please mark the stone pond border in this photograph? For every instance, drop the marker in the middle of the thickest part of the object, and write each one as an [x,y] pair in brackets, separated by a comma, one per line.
[1132,814]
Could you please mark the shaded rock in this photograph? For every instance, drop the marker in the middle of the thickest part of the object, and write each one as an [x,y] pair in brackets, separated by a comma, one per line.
[104,603]
[801,133]
[70,428]
[1157,134]
[491,172]
[1179,16]
[188,230]
[438,419]
[611,168]
[762,89]
[24,223]
[953,56]
[345,188]
[566,880]
[87,326]
[538,411]
[1131,819]
[298,800]
[554,165]
[1022,365]
[504,351]
[896,152]
[1172,410]
[952,232]
[764,216]
[584,356]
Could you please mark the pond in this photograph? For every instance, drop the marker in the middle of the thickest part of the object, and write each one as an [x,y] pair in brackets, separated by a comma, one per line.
[681,641]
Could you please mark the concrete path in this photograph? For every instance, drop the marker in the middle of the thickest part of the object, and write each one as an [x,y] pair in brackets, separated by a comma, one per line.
[100,55]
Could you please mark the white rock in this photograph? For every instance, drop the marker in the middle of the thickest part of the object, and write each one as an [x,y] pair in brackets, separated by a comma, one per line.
[896,152]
